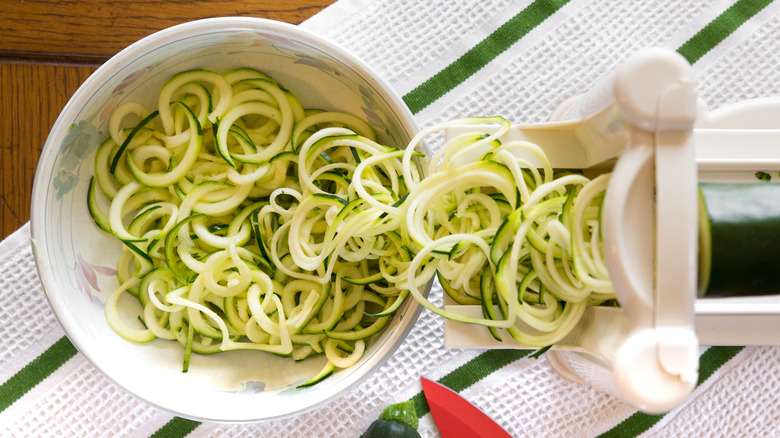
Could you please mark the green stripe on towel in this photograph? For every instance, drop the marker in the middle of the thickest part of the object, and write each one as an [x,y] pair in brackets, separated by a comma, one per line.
[472,372]
[480,55]
[710,361]
[720,28]
[35,372]
[176,428]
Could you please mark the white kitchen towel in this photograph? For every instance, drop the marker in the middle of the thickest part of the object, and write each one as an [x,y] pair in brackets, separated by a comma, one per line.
[450,59]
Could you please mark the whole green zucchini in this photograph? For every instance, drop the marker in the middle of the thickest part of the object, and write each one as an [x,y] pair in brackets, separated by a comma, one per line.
[739,239]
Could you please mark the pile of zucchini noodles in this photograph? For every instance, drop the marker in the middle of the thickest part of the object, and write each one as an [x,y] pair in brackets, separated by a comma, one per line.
[249,222]
[506,232]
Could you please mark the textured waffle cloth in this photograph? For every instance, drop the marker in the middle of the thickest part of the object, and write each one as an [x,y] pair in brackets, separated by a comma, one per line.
[450,59]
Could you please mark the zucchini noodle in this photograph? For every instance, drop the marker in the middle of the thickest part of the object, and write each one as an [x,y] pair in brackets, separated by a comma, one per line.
[505,234]
[240,223]
[248,222]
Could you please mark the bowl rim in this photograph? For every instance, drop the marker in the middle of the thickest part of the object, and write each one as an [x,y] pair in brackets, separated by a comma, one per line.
[79,99]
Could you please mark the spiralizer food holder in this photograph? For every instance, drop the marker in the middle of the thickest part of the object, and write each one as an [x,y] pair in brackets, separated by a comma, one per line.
[645,124]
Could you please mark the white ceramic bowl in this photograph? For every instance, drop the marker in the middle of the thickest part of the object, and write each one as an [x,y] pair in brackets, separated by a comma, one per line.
[76,260]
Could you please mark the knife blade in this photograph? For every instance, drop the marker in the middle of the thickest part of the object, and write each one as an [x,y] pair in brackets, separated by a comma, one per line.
[455,416]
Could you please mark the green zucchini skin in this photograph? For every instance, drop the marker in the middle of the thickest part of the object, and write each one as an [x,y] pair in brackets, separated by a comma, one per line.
[396,421]
[743,239]
[390,429]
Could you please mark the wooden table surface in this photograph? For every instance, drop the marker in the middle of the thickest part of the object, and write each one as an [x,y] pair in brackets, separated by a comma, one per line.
[49,47]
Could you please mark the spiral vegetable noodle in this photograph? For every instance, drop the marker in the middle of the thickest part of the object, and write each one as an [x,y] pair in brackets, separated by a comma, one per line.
[504,230]
[241,225]
[248,222]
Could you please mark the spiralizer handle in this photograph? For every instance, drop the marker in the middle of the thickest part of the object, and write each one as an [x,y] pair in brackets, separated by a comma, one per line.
[651,253]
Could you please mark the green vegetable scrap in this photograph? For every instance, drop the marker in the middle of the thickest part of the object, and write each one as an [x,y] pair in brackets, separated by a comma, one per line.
[763,176]
[397,420]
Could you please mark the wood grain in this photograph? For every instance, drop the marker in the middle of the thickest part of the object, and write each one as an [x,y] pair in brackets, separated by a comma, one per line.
[50,47]
[31,96]
[97,29]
